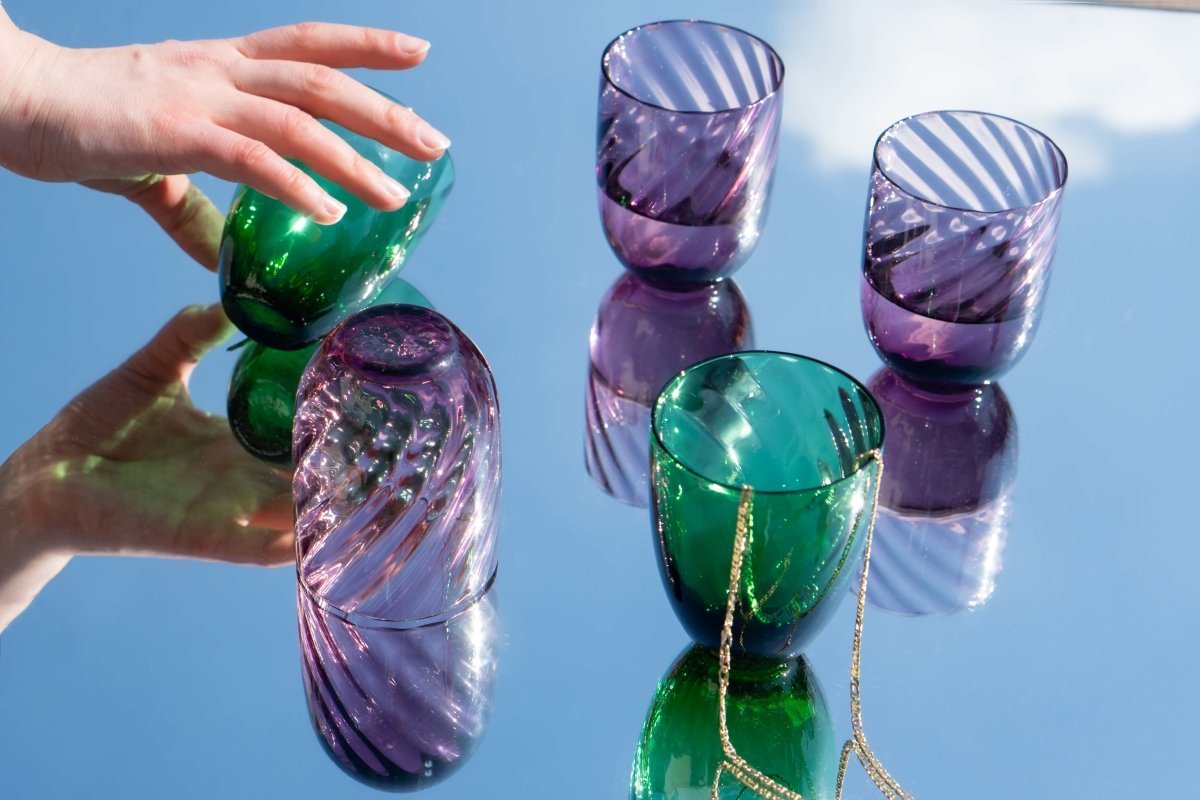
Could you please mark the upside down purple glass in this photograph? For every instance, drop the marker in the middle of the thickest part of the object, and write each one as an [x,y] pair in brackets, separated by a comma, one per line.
[689,123]
[397,457]
[399,708]
[962,221]
[643,335]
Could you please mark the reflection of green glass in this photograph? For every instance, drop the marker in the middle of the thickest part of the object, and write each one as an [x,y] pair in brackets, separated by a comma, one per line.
[799,433]
[262,391]
[778,722]
[286,281]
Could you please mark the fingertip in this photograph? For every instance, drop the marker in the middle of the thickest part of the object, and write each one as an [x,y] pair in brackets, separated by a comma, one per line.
[332,211]
[433,139]
[412,47]
[202,327]
[280,551]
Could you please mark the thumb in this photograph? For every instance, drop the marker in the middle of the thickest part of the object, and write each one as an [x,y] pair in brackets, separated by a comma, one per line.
[179,208]
[175,350]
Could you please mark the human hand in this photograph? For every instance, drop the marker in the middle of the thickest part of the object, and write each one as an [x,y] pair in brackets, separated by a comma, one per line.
[131,467]
[135,120]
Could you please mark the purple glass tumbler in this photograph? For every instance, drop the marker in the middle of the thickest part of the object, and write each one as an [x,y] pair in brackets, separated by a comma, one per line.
[644,335]
[399,709]
[396,446]
[688,129]
[961,225]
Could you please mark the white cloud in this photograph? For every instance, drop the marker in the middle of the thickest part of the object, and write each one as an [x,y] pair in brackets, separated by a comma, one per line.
[1081,74]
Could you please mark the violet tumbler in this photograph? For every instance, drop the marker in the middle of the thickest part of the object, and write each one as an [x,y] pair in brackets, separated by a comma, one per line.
[689,124]
[961,225]
[399,709]
[397,457]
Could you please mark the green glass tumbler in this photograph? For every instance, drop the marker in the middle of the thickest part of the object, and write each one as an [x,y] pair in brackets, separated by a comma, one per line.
[286,281]
[777,719]
[802,437]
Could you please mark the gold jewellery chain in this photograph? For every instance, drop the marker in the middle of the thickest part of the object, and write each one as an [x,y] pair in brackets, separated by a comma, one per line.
[734,764]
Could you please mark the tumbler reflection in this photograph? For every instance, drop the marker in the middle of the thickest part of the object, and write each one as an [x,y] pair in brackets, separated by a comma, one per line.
[945,499]
[644,333]
[399,708]
[777,719]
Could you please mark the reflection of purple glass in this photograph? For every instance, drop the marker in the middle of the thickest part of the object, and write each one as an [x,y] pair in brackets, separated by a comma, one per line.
[397,454]
[689,123]
[944,501]
[399,708]
[962,221]
[643,335]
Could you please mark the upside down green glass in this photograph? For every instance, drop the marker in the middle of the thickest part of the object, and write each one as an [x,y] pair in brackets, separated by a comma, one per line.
[800,434]
[778,722]
[262,390]
[286,281]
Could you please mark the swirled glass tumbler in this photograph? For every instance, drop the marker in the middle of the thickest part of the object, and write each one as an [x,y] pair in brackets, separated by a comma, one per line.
[961,225]
[689,123]
[801,435]
[397,456]
[399,708]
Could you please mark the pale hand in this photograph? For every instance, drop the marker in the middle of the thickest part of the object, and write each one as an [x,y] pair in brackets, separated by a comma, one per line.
[131,467]
[120,119]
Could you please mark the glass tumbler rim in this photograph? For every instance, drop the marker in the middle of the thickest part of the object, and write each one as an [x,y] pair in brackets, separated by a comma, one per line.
[776,85]
[1049,196]
[661,400]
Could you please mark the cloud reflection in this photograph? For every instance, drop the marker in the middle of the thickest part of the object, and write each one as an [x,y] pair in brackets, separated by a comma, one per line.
[1079,73]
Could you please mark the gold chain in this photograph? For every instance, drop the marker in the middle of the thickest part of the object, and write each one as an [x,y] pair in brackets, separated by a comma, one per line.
[737,766]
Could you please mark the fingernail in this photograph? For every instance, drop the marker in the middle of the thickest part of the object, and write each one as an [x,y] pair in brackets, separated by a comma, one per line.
[431,137]
[392,188]
[411,45]
[334,209]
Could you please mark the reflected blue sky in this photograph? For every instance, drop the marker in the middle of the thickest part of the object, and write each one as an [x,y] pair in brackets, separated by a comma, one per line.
[151,678]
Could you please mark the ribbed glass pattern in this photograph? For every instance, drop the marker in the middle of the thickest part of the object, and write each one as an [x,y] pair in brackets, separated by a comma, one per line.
[397,455]
[399,709]
[689,124]
[962,222]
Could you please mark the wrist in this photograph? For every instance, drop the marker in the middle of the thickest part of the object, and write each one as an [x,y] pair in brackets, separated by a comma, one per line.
[16,522]
[24,59]
[28,561]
